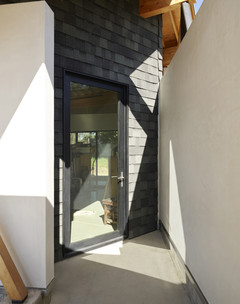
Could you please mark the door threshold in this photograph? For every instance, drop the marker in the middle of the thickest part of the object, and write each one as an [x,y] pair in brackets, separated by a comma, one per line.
[89,248]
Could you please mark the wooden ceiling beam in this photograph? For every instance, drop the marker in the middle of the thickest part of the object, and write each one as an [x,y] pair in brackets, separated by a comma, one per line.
[171,32]
[163,43]
[191,2]
[149,8]
[168,54]
[174,27]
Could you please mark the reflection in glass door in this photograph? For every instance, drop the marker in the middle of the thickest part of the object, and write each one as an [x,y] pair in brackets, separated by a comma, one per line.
[95,194]
[94,199]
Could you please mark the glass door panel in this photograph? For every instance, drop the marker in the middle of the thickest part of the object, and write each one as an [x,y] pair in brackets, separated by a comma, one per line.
[94,199]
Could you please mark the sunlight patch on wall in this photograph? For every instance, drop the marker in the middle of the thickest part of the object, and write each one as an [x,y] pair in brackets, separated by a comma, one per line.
[23,146]
[176,230]
[146,80]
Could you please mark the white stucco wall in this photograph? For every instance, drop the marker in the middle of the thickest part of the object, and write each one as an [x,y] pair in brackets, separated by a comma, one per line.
[200,150]
[26,138]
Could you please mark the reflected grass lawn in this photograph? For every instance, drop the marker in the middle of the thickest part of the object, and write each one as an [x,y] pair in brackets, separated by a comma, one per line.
[102,165]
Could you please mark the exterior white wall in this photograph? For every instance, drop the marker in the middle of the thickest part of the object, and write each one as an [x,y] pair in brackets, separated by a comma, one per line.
[200,150]
[26,138]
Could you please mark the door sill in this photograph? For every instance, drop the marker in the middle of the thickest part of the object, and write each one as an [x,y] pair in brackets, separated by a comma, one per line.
[69,252]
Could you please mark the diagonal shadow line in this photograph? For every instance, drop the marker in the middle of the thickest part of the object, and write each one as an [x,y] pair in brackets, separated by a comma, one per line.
[10,109]
[111,284]
[144,208]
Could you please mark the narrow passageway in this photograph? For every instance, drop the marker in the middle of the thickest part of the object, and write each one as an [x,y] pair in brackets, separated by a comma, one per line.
[136,271]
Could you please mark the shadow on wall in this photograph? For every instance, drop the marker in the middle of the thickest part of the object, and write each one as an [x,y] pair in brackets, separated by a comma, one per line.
[25,226]
[176,211]
[143,193]
[10,98]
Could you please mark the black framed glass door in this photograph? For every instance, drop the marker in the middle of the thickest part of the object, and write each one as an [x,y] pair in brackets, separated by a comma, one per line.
[95,179]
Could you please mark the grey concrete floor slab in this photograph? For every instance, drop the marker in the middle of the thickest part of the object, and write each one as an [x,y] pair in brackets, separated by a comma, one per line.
[138,271]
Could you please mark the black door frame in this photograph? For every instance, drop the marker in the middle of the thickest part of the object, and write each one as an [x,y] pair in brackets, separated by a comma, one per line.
[122,90]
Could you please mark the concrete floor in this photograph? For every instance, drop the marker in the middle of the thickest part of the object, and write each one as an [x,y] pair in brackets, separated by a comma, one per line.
[137,271]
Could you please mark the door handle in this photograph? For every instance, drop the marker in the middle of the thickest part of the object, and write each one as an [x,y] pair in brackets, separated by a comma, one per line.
[121,179]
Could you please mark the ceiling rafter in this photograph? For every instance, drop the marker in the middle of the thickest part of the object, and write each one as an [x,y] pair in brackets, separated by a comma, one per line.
[171,16]
[149,8]
[176,32]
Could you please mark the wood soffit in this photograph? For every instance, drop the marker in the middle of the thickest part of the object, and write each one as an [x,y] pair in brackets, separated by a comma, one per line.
[171,18]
